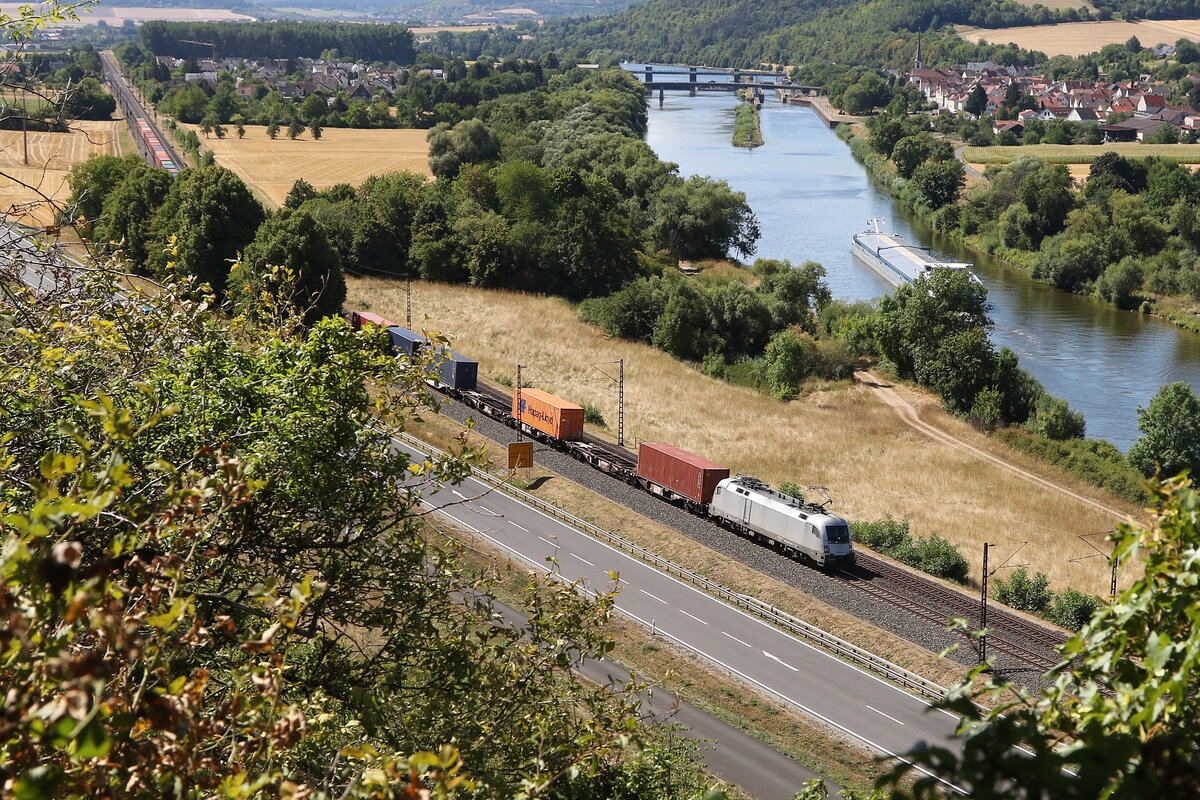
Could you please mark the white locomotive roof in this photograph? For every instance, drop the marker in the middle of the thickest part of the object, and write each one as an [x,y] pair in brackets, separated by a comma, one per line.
[778,501]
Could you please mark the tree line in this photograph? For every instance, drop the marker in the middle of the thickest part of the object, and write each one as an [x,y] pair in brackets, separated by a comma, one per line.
[552,190]
[356,42]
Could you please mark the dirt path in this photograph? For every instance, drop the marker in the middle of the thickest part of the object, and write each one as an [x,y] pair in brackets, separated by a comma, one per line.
[887,392]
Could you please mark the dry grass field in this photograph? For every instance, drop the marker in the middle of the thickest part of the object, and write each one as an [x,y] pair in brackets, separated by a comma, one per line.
[1056,5]
[51,156]
[1082,153]
[1078,38]
[839,436]
[116,15]
[341,155]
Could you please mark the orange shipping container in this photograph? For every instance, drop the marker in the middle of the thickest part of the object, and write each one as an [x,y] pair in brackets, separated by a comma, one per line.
[549,414]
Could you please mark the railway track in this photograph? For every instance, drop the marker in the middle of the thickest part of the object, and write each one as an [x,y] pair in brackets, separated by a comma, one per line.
[1027,642]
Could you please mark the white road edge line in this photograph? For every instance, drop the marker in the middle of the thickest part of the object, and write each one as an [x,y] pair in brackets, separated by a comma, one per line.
[656,597]
[693,616]
[736,639]
[781,661]
[889,716]
[522,557]
[584,560]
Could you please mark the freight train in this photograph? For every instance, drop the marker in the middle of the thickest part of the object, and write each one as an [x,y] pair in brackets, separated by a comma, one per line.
[154,146]
[740,503]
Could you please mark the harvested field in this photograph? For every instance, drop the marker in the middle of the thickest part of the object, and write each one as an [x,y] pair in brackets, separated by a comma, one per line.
[51,156]
[840,436]
[117,15]
[1058,5]
[1082,153]
[1079,38]
[341,155]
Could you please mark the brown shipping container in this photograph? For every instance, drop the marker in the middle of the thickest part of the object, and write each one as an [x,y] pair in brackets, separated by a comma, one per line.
[682,472]
[549,414]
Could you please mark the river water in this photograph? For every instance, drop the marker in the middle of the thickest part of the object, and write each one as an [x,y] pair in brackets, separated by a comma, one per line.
[811,196]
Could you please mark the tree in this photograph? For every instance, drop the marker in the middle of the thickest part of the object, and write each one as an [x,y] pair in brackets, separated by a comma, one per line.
[291,260]
[301,192]
[1120,719]
[211,216]
[294,129]
[910,153]
[938,185]
[129,209]
[239,125]
[702,218]
[468,142]
[683,328]
[1170,428]
[976,101]
[93,180]
[273,129]
[1069,262]
[219,530]
[315,130]
[790,358]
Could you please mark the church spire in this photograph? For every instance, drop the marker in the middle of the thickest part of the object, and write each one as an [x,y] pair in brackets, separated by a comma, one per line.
[917,63]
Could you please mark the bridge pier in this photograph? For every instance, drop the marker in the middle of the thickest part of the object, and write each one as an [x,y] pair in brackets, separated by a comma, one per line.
[660,98]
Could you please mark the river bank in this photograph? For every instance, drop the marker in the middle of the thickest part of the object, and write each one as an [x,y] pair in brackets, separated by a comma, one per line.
[1179,310]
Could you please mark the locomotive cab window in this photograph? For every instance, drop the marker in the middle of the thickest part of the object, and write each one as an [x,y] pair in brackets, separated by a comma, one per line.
[837,534]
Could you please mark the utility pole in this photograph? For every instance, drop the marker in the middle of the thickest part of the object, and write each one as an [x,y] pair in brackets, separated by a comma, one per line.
[1112,589]
[621,409]
[1112,559]
[620,381]
[519,409]
[25,135]
[983,606]
[408,306]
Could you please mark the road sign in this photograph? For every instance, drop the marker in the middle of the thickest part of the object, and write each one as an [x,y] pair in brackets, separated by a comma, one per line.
[520,455]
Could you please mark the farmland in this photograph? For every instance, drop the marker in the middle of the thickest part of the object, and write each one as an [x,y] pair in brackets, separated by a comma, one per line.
[341,155]
[1078,38]
[1082,153]
[839,435]
[51,156]
[117,15]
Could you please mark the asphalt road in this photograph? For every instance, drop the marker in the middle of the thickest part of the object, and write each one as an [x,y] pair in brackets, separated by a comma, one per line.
[862,706]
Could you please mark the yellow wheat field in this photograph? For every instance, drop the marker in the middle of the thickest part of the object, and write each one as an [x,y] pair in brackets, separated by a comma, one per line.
[1079,38]
[341,155]
[118,15]
[29,192]
[841,437]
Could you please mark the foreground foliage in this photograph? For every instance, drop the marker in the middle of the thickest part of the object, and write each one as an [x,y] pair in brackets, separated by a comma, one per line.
[1120,720]
[217,581]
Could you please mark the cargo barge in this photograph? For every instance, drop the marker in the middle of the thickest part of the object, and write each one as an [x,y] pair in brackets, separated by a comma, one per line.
[899,261]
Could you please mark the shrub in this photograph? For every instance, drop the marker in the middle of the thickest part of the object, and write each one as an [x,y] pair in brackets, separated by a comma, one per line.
[1023,592]
[592,415]
[794,489]
[883,535]
[714,366]
[1094,461]
[1072,609]
[940,558]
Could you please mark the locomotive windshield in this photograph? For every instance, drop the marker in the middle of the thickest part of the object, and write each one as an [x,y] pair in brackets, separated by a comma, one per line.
[837,534]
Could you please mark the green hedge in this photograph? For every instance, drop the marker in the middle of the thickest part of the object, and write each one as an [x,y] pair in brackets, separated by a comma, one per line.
[932,554]
[1093,461]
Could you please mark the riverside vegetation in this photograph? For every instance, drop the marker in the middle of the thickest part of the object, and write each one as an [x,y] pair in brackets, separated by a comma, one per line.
[747,124]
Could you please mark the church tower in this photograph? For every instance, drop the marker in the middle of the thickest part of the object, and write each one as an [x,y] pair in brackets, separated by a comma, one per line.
[917,63]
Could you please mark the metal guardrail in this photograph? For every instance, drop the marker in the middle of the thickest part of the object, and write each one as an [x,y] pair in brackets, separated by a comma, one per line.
[781,619]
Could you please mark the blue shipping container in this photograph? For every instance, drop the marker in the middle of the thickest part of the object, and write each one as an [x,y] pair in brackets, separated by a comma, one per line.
[405,341]
[457,371]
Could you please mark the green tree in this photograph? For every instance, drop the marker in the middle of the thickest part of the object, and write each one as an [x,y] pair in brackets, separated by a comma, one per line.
[273,129]
[315,130]
[1170,428]
[1119,719]
[301,192]
[294,129]
[938,185]
[1053,418]
[790,358]
[703,218]
[683,328]
[917,317]
[291,260]
[93,180]
[129,210]
[976,101]
[211,216]
[910,153]
[468,142]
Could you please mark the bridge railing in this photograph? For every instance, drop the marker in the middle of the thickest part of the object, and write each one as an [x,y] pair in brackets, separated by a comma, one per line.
[781,619]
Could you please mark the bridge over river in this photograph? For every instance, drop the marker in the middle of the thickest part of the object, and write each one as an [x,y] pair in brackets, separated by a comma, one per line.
[710,79]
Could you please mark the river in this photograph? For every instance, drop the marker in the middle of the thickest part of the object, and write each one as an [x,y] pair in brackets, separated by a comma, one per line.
[811,196]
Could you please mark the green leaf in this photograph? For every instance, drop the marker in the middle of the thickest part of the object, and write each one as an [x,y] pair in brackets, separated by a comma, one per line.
[93,741]
[38,783]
